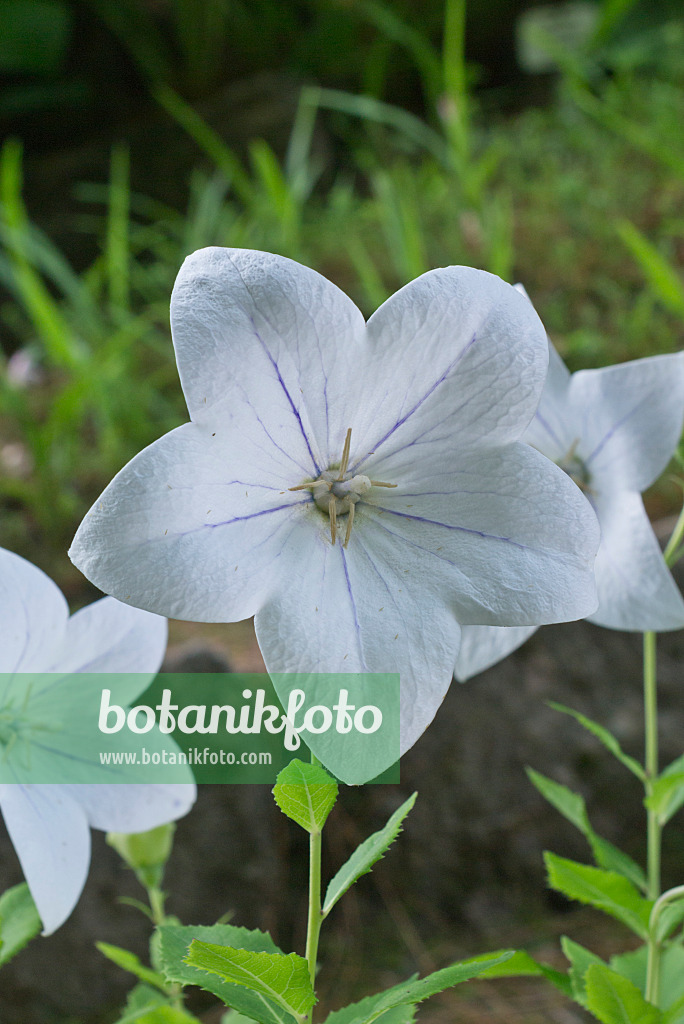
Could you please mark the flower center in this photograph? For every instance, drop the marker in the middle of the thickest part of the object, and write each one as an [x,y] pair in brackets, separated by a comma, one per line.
[15,727]
[337,492]
[576,467]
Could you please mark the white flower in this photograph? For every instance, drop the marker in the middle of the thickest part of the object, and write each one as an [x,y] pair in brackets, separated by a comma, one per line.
[359,487]
[613,431]
[49,823]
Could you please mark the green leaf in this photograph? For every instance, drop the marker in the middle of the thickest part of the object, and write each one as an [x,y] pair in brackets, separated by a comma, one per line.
[366,855]
[572,806]
[606,738]
[415,990]
[661,276]
[669,919]
[634,967]
[19,921]
[667,792]
[404,1014]
[175,941]
[615,1000]
[306,793]
[675,1013]
[233,1017]
[612,859]
[581,960]
[522,965]
[130,962]
[146,1005]
[606,890]
[284,979]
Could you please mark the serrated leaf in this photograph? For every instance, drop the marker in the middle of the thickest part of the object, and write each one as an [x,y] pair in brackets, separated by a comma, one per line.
[415,990]
[306,793]
[175,941]
[130,962]
[581,960]
[607,739]
[522,965]
[614,999]
[366,855]
[606,890]
[19,921]
[284,979]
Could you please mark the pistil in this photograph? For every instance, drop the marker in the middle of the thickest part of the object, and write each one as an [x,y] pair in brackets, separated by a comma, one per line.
[337,492]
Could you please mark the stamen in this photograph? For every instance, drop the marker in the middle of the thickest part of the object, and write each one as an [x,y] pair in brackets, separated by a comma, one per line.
[345,455]
[336,493]
[350,523]
[332,512]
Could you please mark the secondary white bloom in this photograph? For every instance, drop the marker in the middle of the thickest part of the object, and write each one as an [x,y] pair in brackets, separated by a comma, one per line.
[359,487]
[49,824]
[613,431]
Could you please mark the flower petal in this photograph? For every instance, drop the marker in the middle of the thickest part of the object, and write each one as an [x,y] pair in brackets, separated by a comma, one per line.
[51,837]
[133,808]
[629,417]
[192,527]
[33,613]
[635,588]
[553,430]
[456,356]
[484,646]
[108,636]
[502,534]
[354,610]
[258,327]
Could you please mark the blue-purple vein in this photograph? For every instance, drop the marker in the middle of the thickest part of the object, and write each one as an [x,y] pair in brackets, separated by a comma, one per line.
[421,401]
[283,385]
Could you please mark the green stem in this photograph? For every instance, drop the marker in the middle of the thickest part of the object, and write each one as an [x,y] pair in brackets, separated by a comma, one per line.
[315,920]
[315,915]
[653,823]
[156,898]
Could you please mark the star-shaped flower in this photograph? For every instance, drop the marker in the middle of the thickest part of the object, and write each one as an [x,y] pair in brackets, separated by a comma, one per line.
[360,488]
[49,824]
[613,431]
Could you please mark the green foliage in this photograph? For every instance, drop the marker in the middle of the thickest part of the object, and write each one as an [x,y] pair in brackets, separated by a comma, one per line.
[366,855]
[581,960]
[522,965]
[175,942]
[306,793]
[613,999]
[605,890]
[283,979]
[633,966]
[415,990]
[130,962]
[667,791]
[607,739]
[147,1005]
[572,806]
[19,921]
